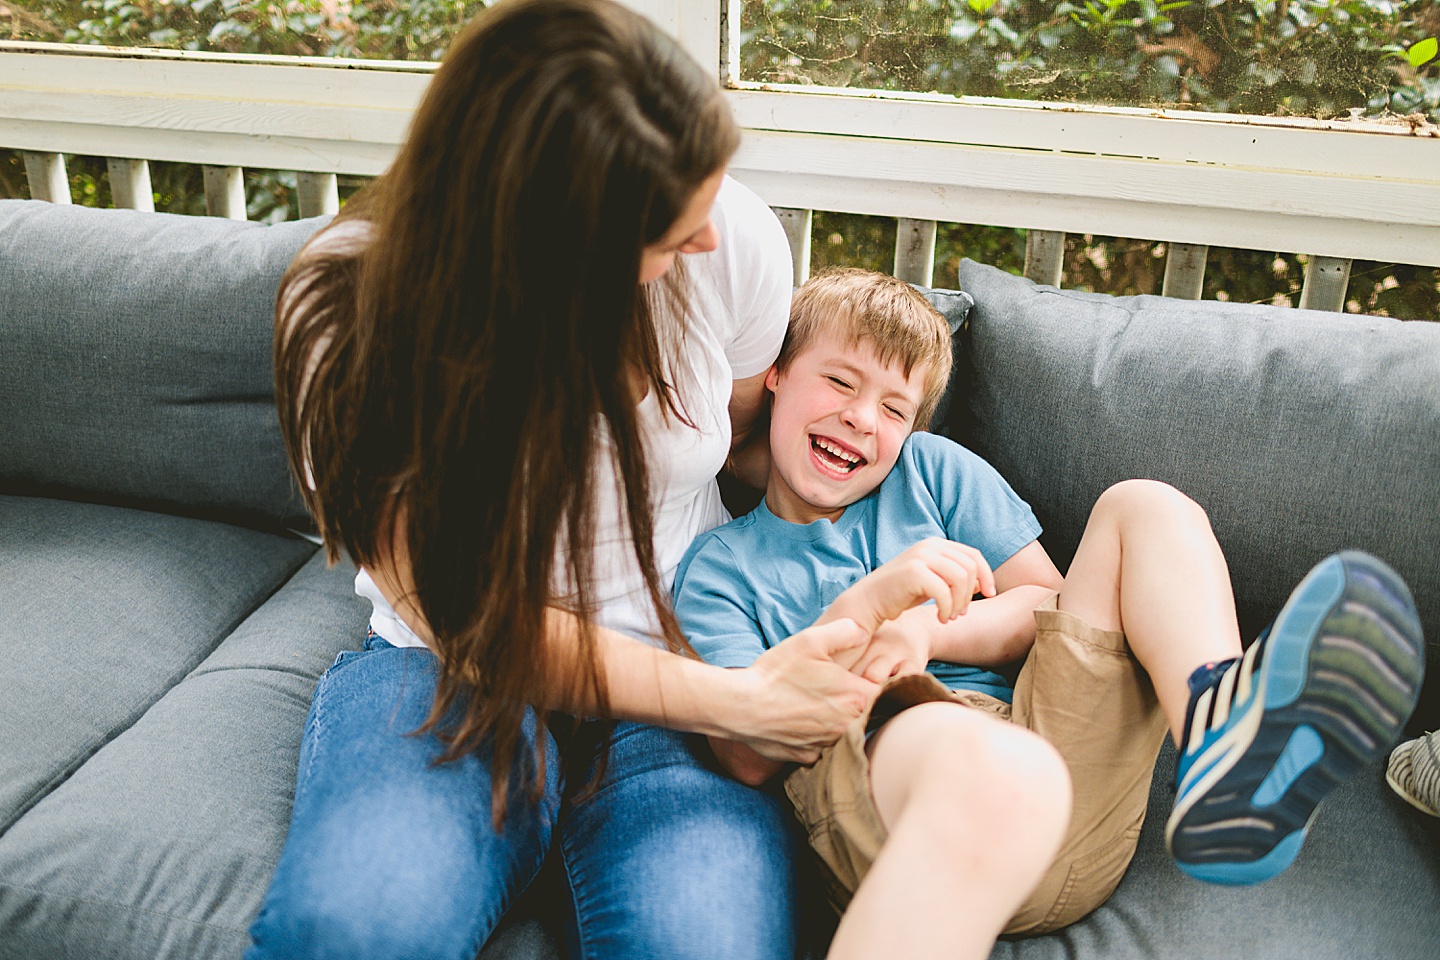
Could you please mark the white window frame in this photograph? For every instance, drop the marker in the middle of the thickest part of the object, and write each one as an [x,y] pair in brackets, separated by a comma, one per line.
[1335,189]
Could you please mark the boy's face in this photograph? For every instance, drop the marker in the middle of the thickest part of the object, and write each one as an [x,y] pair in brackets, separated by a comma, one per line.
[836,427]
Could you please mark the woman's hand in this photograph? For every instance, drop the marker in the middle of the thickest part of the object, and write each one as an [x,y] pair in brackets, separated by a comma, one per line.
[796,699]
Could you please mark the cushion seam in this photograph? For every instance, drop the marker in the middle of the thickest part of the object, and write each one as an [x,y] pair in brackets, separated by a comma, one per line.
[127,906]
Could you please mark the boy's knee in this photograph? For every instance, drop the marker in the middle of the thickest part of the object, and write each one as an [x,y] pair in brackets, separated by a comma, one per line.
[995,770]
[1147,499]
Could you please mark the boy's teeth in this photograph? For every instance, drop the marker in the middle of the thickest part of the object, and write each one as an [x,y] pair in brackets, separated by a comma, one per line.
[835,451]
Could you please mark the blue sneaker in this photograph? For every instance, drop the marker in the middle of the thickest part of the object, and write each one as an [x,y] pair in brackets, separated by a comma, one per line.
[1324,690]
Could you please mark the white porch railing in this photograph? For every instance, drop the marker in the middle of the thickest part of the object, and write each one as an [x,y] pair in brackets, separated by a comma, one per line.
[1335,191]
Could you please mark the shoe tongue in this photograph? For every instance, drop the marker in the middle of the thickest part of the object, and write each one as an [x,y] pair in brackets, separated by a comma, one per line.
[1207,675]
[1202,678]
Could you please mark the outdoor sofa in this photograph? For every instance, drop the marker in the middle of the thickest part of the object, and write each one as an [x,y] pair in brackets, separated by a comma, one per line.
[163,621]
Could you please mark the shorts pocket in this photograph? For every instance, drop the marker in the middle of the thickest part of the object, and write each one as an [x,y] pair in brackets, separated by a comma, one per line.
[1083,885]
[1090,881]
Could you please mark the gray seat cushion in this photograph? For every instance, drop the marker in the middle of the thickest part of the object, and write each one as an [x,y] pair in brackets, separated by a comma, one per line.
[1299,432]
[102,610]
[163,843]
[136,366]
[1367,884]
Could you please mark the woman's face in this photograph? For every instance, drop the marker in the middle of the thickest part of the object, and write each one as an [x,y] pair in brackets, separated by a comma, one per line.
[692,232]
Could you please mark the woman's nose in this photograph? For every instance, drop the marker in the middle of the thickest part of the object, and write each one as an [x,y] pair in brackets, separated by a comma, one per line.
[707,239]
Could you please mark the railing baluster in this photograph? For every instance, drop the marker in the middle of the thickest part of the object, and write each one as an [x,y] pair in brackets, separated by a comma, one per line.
[319,194]
[915,251]
[1044,256]
[46,173]
[1184,270]
[225,192]
[130,184]
[797,224]
[1327,281]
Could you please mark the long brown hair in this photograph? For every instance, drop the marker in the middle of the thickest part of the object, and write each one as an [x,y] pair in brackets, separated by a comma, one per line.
[445,386]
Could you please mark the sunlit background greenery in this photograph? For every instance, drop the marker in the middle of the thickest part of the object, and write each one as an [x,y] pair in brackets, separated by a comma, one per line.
[1315,58]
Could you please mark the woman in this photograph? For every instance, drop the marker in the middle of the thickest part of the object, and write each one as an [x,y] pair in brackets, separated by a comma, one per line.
[508,374]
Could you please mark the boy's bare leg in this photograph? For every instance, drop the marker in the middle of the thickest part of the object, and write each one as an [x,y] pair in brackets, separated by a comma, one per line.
[1148,565]
[1326,691]
[975,809]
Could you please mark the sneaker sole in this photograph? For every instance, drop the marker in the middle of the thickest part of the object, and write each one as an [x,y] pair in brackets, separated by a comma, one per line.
[1340,676]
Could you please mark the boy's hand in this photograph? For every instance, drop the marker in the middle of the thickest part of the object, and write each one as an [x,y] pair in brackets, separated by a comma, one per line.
[935,569]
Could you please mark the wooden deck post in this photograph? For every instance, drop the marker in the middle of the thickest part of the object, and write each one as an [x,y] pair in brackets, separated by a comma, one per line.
[319,194]
[915,251]
[1327,281]
[797,224]
[1044,256]
[46,173]
[225,192]
[130,184]
[1184,270]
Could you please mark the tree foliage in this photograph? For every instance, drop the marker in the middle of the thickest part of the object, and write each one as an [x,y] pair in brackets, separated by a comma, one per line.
[1318,58]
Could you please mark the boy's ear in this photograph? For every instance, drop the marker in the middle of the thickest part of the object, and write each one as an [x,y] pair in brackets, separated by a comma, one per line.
[772,377]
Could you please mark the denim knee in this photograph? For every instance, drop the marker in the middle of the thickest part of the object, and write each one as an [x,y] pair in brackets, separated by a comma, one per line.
[388,854]
[672,859]
[337,927]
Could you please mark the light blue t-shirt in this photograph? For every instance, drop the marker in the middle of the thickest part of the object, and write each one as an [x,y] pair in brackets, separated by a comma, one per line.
[745,586]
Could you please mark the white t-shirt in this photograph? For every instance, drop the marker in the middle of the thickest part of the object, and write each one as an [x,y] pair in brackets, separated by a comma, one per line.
[739,309]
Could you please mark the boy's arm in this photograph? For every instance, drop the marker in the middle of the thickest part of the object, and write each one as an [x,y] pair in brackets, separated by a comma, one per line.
[936,569]
[994,630]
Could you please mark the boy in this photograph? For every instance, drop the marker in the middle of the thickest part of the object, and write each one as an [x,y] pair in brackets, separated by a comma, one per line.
[971,808]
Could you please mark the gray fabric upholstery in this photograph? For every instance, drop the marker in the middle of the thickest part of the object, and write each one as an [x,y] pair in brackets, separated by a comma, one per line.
[955,306]
[102,610]
[1367,884]
[163,843]
[156,670]
[1299,432]
[136,366]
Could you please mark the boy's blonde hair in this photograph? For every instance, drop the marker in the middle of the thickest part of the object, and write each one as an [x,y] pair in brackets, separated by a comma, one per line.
[889,315]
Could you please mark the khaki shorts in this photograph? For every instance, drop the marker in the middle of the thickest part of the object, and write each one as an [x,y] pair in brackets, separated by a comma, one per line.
[1080,689]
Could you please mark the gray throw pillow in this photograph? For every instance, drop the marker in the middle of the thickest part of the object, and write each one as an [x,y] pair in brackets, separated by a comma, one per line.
[1300,432]
[136,361]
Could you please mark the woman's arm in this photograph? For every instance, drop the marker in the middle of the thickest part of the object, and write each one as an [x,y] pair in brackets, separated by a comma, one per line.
[791,702]
[788,704]
[749,460]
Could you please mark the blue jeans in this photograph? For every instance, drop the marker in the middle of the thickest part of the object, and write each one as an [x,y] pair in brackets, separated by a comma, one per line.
[391,856]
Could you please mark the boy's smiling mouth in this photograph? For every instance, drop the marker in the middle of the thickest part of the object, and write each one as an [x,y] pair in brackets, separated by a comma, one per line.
[835,455]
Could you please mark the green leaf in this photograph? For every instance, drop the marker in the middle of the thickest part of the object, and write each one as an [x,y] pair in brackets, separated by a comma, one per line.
[1422,53]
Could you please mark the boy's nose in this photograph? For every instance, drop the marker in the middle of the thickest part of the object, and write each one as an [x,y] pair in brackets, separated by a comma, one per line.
[859,417]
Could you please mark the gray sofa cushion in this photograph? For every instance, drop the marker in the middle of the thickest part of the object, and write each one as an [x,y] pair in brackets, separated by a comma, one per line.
[102,610]
[955,306]
[136,365]
[1367,884]
[163,843]
[1299,432]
